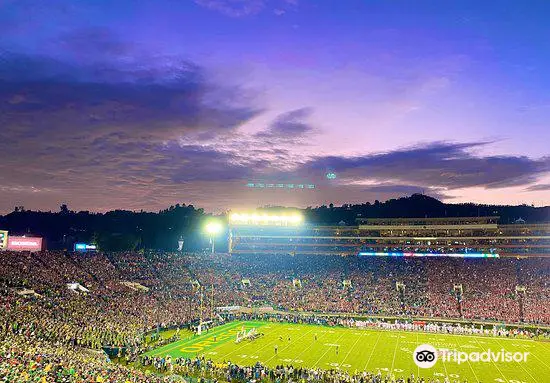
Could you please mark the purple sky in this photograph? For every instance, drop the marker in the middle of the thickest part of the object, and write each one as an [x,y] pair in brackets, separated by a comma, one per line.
[141,105]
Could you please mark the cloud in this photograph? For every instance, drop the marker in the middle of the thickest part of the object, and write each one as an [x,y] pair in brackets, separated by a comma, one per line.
[243,8]
[149,130]
[289,126]
[440,164]
[234,8]
[79,128]
[540,187]
[166,98]
[94,43]
[197,163]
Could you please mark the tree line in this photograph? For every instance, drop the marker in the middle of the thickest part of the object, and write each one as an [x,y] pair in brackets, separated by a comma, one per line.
[119,230]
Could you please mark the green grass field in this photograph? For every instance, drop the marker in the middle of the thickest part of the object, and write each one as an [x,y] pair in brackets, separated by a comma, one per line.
[389,351]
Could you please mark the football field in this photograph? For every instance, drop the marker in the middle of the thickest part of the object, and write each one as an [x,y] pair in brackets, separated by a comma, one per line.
[354,349]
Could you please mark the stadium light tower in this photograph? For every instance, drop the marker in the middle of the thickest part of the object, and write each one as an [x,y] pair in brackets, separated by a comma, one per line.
[213,228]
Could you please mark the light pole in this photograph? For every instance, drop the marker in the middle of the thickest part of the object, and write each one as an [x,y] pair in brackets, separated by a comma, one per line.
[212,229]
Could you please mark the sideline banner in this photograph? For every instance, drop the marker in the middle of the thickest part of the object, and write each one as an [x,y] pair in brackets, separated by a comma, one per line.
[228,308]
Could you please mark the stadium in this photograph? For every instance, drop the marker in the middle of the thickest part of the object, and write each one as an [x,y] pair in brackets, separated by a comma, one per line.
[274,191]
[274,297]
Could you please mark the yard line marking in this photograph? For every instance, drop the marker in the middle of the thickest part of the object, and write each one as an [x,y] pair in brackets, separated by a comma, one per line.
[304,350]
[445,367]
[351,349]
[469,364]
[483,348]
[328,349]
[523,368]
[543,344]
[309,332]
[372,352]
[417,366]
[543,362]
[394,352]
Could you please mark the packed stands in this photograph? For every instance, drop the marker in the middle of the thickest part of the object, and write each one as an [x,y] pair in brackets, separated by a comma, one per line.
[428,287]
[132,293]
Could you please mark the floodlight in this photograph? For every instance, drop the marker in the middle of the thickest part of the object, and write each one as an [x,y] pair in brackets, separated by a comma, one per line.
[296,218]
[213,227]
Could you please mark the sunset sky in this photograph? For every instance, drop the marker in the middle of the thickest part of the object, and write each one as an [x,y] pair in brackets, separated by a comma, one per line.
[145,104]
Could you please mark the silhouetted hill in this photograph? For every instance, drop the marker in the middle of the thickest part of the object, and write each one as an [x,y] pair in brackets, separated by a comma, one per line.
[418,205]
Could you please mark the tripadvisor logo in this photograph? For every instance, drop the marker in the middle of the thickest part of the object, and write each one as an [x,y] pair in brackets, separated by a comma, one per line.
[425,356]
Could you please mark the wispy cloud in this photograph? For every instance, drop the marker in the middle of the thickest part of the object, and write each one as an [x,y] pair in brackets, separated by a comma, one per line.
[439,164]
[242,8]
[234,8]
[289,126]
[540,187]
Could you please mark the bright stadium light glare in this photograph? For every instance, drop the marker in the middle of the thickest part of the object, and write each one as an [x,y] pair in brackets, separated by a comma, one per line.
[296,218]
[213,227]
[278,219]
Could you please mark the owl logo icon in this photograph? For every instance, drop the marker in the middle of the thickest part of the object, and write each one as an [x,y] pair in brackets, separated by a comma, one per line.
[425,356]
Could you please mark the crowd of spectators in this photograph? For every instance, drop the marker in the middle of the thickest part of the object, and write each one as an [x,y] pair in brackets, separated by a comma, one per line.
[31,359]
[282,373]
[44,325]
[481,289]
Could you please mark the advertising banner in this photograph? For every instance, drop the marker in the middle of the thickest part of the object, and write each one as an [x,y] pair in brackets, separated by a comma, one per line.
[228,308]
[24,243]
[84,247]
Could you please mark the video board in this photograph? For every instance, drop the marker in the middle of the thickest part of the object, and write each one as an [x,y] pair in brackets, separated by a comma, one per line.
[24,243]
